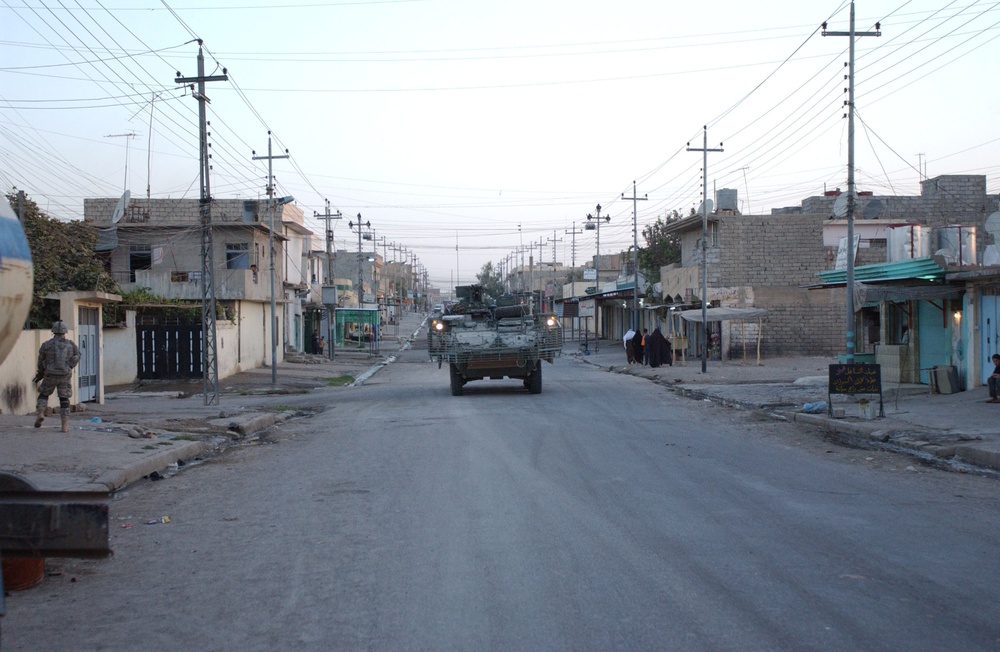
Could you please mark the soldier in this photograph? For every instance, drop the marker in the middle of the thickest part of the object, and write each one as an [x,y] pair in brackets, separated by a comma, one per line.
[56,360]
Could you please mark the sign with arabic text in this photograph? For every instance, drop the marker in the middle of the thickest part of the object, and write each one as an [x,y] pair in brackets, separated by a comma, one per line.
[855,379]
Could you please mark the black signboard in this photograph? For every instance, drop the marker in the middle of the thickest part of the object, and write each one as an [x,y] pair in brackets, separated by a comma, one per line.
[856,379]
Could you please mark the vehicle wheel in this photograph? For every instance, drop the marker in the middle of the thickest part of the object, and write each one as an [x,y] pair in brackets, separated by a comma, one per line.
[535,379]
[456,381]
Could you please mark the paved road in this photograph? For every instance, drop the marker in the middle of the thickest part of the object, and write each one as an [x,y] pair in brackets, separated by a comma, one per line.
[605,513]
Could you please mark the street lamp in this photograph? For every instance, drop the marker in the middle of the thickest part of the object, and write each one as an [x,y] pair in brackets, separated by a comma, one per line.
[597,261]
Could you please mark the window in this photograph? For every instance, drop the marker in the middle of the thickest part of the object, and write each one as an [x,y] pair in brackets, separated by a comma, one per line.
[237,256]
[140,257]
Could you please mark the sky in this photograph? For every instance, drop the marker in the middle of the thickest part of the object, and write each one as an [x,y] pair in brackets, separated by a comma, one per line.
[469,131]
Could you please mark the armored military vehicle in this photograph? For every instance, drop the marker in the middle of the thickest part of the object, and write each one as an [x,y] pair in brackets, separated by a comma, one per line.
[479,338]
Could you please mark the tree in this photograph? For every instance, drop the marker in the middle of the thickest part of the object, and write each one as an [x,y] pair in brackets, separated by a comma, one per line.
[489,277]
[63,257]
[661,248]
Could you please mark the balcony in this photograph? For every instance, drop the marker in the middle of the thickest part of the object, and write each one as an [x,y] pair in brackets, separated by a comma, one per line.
[230,284]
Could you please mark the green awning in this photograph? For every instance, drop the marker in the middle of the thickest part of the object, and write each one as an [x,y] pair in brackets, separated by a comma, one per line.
[917,268]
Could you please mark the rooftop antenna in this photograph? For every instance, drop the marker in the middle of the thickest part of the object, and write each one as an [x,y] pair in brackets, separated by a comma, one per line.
[129,136]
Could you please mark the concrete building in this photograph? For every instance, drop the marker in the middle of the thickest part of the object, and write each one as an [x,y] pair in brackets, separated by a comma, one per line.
[156,244]
[937,301]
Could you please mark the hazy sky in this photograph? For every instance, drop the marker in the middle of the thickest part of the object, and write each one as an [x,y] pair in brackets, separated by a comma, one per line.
[491,125]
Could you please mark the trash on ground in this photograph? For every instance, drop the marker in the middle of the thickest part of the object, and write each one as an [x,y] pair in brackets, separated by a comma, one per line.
[814,408]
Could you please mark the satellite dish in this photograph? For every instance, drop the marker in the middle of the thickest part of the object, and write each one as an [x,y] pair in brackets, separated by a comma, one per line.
[840,206]
[874,210]
[119,211]
[992,227]
[706,207]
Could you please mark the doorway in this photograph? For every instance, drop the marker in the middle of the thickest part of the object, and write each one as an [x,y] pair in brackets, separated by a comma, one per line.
[90,362]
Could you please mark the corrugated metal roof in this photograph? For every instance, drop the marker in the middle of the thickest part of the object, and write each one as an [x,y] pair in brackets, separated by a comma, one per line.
[925,268]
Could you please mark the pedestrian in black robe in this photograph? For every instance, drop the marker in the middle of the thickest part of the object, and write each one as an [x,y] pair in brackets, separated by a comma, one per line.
[659,349]
[637,347]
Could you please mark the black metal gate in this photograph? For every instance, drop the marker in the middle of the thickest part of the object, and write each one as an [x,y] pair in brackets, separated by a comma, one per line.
[168,351]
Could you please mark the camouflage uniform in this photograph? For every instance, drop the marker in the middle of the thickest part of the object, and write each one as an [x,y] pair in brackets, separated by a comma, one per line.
[56,360]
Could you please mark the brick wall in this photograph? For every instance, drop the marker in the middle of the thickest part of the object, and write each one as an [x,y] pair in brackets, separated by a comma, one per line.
[776,255]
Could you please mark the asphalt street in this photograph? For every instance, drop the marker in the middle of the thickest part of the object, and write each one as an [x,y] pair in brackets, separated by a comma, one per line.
[609,512]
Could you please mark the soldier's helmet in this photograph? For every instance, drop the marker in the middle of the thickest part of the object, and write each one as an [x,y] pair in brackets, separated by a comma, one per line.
[59,327]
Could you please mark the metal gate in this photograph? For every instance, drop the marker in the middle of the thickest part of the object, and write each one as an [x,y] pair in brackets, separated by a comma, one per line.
[87,371]
[989,329]
[168,351]
[934,346]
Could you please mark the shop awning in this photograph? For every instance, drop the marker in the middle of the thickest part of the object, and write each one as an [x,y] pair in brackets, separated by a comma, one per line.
[730,314]
[867,293]
[723,314]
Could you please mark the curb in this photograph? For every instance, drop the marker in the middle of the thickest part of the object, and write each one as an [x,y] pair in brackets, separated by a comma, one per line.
[244,424]
[983,457]
[118,478]
[237,427]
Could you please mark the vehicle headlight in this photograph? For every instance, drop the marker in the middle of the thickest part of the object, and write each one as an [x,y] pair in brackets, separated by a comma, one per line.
[438,326]
[551,322]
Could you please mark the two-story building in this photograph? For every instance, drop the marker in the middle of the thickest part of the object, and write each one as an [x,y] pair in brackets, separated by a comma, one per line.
[158,244]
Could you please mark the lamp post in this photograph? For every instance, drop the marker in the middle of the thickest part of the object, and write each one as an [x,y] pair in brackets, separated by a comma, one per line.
[597,262]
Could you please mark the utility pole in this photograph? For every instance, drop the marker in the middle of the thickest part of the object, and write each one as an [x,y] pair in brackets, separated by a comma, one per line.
[572,251]
[554,277]
[404,280]
[361,279]
[541,273]
[376,279]
[328,280]
[209,351]
[704,244]
[850,177]
[327,216]
[554,240]
[597,263]
[531,276]
[635,255]
[374,266]
[414,279]
[385,276]
[270,246]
